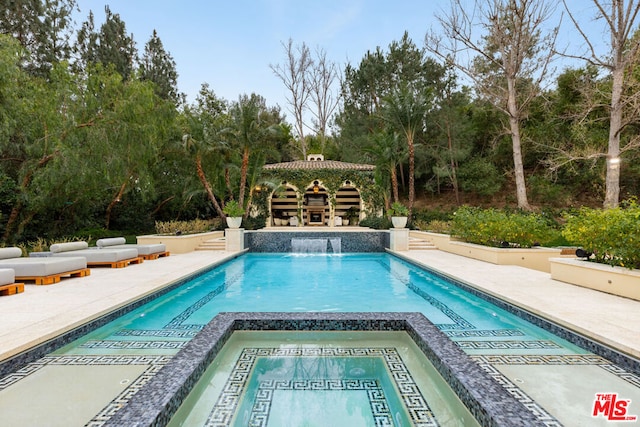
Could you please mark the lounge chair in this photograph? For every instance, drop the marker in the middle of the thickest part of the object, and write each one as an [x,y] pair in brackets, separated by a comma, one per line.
[7,285]
[96,257]
[147,252]
[42,270]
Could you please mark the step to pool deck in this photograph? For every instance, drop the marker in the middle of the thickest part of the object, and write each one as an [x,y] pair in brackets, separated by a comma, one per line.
[43,312]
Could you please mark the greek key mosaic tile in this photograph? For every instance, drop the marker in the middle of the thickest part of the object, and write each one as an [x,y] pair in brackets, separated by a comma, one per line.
[483,333]
[538,411]
[224,409]
[565,359]
[154,361]
[124,397]
[459,322]
[135,345]
[507,345]
[158,333]
[375,393]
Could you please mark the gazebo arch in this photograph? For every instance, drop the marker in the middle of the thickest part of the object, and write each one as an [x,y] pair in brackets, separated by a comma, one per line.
[318,191]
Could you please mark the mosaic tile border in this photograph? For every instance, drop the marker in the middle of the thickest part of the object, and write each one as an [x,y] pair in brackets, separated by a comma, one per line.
[625,361]
[487,400]
[280,241]
[226,407]
[20,360]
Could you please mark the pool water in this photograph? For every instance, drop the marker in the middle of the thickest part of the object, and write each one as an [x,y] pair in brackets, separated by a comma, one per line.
[326,283]
[341,379]
[554,378]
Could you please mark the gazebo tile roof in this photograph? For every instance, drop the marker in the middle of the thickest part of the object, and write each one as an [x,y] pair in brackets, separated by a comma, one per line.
[319,164]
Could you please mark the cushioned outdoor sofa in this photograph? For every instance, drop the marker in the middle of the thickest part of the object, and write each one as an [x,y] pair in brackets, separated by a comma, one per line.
[96,257]
[7,282]
[42,270]
[147,252]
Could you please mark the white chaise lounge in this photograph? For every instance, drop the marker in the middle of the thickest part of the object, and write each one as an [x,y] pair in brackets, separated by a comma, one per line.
[96,257]
[42,270]
[147,252]
[7,282]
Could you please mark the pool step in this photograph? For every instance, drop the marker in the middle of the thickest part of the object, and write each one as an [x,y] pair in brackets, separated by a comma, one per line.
[416,244]
[218,244]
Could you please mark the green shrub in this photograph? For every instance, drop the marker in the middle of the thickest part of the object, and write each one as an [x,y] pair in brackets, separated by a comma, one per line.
[376,222]
[398,209]
[612,235]
[493,227]
[233,209]
[438,226]
[187,227]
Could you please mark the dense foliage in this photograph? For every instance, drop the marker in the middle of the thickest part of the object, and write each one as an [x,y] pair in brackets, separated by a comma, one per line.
[500,228]
[96,139]
[612,236]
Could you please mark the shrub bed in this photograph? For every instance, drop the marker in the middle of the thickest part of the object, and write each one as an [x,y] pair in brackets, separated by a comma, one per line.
[497,228]
[611,235]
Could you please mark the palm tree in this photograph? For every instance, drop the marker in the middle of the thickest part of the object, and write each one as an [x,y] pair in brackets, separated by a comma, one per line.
[388,153]
[200,138]
[405,110]
[252,129]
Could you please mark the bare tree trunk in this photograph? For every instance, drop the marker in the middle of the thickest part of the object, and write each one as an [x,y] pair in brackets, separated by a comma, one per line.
[514,125]
[161,204]
[612,181]
[243,175]
[394,184]
[113,203]
[207,187]
[412,167]
[452,163]
[294,76]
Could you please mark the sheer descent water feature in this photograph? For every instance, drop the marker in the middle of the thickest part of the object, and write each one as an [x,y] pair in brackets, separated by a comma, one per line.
[306,245]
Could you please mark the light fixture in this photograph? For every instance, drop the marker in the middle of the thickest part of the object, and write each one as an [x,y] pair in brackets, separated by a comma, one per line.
[316,189]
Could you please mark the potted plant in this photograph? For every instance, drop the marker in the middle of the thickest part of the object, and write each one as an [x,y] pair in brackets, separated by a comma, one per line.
[399,214]
[352,215]
[234,213]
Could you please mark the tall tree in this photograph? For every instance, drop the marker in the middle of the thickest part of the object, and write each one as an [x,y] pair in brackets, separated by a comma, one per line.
[250,132]
[201,139]
[511,59]
[294,75]
[383,85]
[619,18]
[405,110]
[321,81]
[86,46]
[116,46]
[43,28]
[158,66]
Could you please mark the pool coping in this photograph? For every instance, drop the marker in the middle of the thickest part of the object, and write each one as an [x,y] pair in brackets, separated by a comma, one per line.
[624,360]
[23,358]
[487,400]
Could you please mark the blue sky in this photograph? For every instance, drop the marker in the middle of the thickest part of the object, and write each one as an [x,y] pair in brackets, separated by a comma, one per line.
[230,44]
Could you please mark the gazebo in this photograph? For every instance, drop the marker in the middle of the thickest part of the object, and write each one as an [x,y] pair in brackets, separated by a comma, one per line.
[319,192]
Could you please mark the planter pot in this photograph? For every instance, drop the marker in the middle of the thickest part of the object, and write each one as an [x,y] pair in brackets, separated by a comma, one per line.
[234,221]
[345,222]
[600,277]
[399,221]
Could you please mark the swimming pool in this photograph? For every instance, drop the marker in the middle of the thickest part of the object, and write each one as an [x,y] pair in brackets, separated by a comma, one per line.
[503,344]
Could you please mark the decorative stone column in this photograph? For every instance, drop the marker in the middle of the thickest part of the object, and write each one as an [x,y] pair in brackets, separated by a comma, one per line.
[399,239]
[234,239]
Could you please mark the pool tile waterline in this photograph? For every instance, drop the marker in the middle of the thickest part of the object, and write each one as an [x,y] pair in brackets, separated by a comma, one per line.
[487,400]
